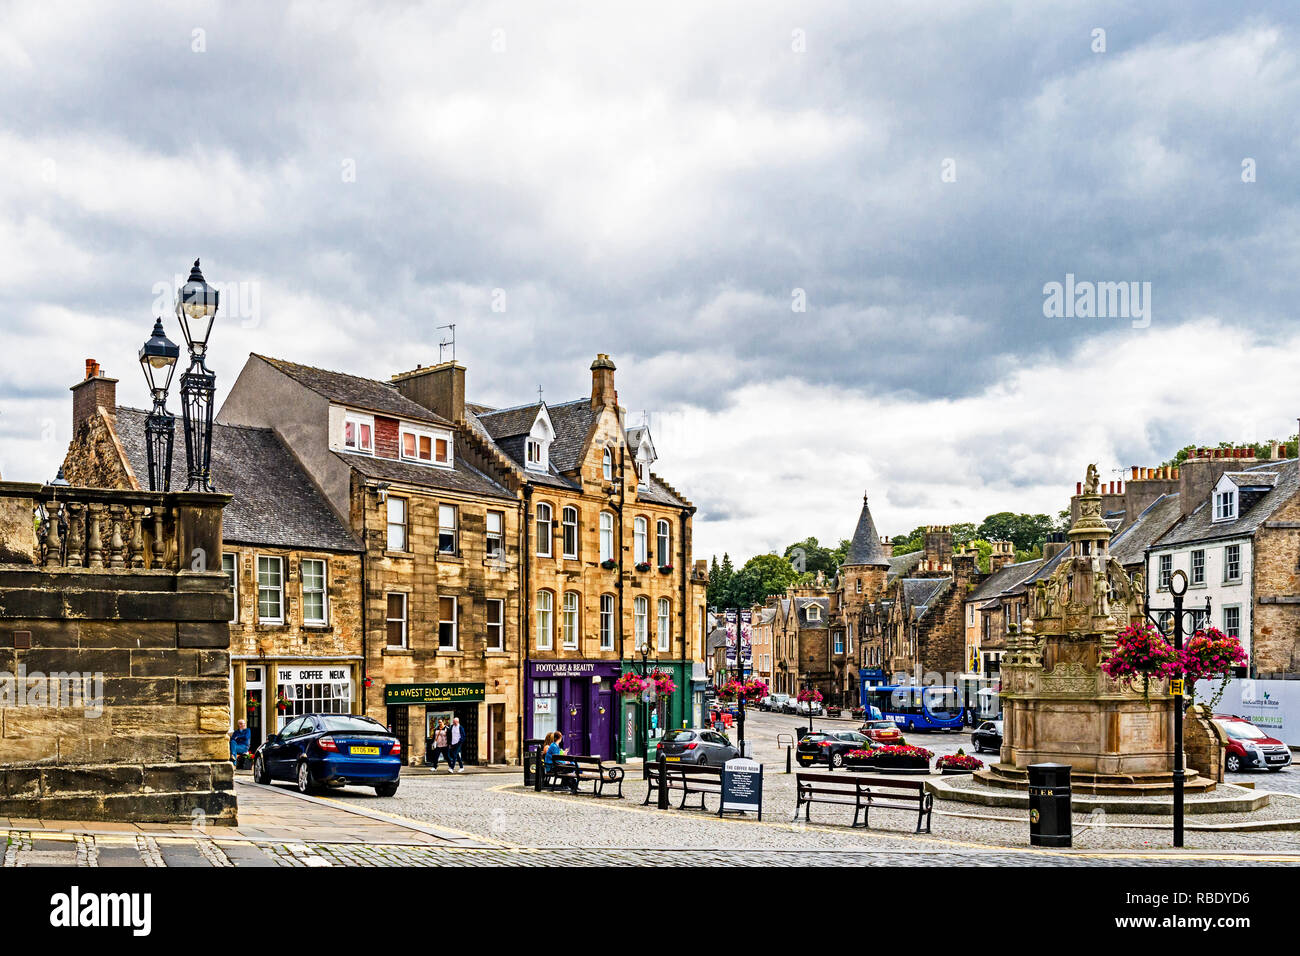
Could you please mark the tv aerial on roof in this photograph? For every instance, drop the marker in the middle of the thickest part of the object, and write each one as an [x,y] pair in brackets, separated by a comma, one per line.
[447,343]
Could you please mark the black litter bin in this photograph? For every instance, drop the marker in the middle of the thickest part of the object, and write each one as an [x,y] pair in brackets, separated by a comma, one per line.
[1049,805]
[800,733]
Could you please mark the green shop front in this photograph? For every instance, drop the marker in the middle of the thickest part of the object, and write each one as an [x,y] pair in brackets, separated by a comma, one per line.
[415,709]
[662,712]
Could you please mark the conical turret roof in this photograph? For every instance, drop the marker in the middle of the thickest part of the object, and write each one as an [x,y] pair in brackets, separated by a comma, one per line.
[865,547]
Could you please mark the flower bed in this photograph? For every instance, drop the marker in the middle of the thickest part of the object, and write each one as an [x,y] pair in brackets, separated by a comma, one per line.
[960,762]
[902,758]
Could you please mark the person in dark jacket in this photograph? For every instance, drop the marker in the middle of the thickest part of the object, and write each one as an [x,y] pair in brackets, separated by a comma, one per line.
[240,740]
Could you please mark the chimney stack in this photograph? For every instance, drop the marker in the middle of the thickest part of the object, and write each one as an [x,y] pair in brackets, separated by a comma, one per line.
[92,392]
[602,382]
[439,388]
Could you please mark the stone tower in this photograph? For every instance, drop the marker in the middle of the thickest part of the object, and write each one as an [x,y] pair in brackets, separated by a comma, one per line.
[865,567]
[1058,705]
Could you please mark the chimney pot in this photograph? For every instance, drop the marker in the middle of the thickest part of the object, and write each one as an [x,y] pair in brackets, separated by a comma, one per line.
[1078,487]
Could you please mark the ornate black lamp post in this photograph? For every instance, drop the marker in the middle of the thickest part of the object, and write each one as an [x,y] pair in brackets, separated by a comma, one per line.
[644,650]
[1178,590]
[158,360]
[196,308]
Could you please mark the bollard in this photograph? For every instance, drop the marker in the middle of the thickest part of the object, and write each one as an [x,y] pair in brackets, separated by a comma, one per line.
[788,749]
[663,782]
[1049,805]
[537,771]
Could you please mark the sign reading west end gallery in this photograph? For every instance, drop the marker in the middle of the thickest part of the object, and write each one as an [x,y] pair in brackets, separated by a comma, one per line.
[434,693]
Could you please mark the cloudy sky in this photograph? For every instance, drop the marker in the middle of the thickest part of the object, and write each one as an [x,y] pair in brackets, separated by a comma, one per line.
[814,237]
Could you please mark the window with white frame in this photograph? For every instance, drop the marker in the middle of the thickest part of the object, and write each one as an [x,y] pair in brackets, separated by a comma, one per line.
[396,619]
[544,532]
[419,444]
[569,620]
[448,623]
[534,454]
[1166,571]
[1225,505]
[496,624]
[607,464]
[665,625]
[839,642]
[542,615]
[230,566]
[447,529]
[640,540]
[663,542]
[641,620]
[1198,566]
[396,524]
[569,521]
[1232,562]
[359,433]
[315,603]
[496,535]
[606,536]
[270,590]
[1232,621]
[607,622]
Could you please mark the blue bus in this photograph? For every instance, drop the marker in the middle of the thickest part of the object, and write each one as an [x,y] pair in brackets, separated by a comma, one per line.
[913,707]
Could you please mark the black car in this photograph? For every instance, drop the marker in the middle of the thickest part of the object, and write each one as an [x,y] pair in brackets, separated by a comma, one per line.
[331,750]
[829,747]
[987,736]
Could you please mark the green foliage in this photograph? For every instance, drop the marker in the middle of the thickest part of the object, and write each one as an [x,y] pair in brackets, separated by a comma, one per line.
[808,556]
[1026,532]
[762,575]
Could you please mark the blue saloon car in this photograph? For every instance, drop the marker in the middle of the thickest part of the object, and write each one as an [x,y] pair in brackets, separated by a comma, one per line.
[331,750]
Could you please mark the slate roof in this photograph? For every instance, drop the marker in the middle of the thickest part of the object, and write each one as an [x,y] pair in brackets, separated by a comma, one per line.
[903,564]
[355,391]
[462,477]
[1200,526]
[919,594]
[1129,546]
[803,602]
[275,502]
[864,548]
[1005,579]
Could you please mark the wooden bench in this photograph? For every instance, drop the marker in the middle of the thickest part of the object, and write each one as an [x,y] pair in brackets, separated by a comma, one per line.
[572,770]
[863,794]
[688,778]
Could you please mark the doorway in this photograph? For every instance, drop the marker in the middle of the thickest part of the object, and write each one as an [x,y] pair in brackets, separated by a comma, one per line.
[497,733]
[255,705]
[398,724]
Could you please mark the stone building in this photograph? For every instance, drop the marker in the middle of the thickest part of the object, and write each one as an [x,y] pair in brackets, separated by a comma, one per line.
[764,628]
[125,707]
[440,608]
[608,581]
[293,568]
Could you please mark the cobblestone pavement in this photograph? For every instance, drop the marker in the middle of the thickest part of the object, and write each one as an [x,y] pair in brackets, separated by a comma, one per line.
[491,820]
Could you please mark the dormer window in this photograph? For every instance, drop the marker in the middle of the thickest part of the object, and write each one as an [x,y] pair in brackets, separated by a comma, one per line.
[417,444]
[537,446]
[359,434]
[1225,505]
[814,612]
[534,453]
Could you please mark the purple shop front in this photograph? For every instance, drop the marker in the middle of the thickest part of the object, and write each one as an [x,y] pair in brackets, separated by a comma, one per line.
[577,698]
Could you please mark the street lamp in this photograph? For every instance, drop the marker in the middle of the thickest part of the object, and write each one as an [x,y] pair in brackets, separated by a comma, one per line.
[644,650]
[1178,590]
[196,308]
[158,361]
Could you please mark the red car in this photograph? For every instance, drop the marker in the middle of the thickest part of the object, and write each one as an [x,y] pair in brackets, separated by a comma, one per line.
[882,733]
[1248,746]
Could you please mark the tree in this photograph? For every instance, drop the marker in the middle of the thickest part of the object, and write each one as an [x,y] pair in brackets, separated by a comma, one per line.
[1026,532]
[720,581]
[810,557]
[762,575]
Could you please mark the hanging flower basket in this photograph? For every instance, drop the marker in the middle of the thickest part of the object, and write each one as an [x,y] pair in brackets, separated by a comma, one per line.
[1207,655]
[1141,653]
[630,683]
[752,689]
[252,704]
[281,703]
[609,564]
[663,682]
[810,695]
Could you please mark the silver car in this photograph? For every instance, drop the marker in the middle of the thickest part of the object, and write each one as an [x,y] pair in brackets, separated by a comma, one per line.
[707,748]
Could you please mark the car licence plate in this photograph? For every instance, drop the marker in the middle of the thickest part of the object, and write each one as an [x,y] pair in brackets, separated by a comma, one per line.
[672,758]
[365,751]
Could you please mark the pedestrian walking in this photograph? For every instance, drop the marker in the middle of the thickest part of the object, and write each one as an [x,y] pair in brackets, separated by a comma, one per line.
[440,744]
[456,740]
